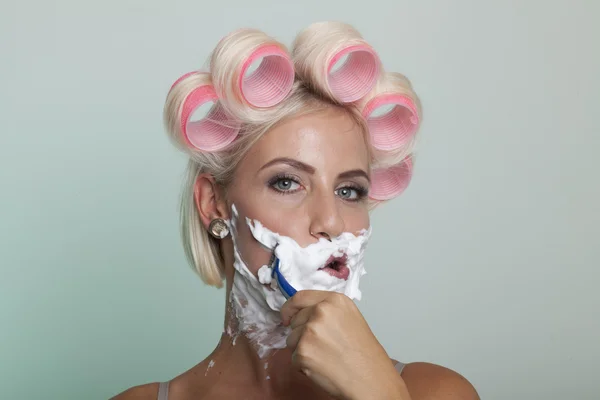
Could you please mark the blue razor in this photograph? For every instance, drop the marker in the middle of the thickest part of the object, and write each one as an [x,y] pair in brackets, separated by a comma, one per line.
[284,286]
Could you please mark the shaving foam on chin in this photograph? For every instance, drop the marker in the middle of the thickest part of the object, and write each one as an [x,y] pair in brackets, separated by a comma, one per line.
[257,301]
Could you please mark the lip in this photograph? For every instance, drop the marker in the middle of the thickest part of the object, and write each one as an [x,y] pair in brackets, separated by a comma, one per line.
[342,272]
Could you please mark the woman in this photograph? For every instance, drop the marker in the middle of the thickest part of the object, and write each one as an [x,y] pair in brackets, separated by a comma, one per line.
[282,174]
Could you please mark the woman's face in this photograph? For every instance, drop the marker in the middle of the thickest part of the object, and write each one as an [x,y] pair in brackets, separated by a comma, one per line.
[306,178]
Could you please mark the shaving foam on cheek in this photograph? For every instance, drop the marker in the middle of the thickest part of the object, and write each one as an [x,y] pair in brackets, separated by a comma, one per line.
[257,301]
[301,265]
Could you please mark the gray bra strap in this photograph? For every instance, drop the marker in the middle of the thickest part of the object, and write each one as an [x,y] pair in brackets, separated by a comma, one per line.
[163,391]
[163,387]
[399,367]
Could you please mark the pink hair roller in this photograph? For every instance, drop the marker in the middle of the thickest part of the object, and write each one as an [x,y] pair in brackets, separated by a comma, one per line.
[213,132]
[390,182]
[356,76]
[392,111]
[397,127]
[237,86]
[334,59]
[272,80]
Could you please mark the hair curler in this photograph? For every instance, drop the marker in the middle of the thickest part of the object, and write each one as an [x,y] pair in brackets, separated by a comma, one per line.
[387,183]
[397,125]
[319,48]
[214,131]
[237,85]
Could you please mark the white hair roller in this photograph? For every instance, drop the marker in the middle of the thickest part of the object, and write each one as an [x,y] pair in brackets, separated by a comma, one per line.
[212,132]
[318,49]
[241,90]
[392,111]
[389,182]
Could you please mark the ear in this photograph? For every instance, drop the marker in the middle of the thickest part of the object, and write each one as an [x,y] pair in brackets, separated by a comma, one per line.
[209,200]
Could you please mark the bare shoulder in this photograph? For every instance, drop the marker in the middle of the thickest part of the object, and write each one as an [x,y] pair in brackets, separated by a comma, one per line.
[427,381]
[142,392]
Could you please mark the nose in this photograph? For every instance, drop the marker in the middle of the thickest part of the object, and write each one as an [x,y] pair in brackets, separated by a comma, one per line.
[326,220]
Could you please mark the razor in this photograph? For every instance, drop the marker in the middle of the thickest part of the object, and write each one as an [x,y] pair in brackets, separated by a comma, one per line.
[284,286]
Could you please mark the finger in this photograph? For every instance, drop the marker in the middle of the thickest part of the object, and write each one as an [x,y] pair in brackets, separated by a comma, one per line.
[294,337]
[301,317]
[302,299]
[298,363]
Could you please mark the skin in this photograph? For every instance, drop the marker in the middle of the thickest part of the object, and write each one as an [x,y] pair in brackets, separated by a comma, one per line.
[312,170]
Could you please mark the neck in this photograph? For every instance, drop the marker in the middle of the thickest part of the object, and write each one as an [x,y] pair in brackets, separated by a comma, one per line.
[250,314]
[242,361]
[244,364]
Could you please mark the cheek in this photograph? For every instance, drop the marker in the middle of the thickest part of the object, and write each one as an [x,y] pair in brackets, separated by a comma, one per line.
[285,215]
[357,220]
[289,223]
[251,251]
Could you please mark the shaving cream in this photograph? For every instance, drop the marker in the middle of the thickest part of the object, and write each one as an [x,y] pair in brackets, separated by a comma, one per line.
[257,301]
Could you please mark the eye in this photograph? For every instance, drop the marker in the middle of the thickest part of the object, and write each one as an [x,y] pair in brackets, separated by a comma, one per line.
[348,193]
[285,185]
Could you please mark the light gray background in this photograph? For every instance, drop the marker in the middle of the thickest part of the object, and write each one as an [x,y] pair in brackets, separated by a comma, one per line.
[488,264]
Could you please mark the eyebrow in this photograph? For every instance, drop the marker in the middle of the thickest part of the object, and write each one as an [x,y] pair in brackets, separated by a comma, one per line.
[292,163]
[354,174]
[311,170]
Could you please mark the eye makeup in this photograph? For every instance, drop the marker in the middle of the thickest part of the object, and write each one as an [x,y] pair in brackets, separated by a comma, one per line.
[285,184]
[361,192]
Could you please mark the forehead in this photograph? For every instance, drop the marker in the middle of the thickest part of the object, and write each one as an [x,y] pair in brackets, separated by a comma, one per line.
[328,140]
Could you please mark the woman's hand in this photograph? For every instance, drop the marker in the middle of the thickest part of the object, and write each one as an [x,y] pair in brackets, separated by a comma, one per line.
[334,346]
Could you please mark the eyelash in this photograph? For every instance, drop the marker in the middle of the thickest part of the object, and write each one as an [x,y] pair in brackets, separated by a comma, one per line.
[361,192]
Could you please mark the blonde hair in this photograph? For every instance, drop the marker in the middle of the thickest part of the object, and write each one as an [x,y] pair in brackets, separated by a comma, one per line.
[247,123]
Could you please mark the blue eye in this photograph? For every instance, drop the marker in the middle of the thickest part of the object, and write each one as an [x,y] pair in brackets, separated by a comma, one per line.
[351,193]
[284,184]
[347,193]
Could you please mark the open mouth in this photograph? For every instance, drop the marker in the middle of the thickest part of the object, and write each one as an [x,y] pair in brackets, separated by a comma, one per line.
[336,266]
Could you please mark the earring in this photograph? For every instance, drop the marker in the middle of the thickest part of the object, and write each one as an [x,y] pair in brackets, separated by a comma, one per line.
[218,228]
